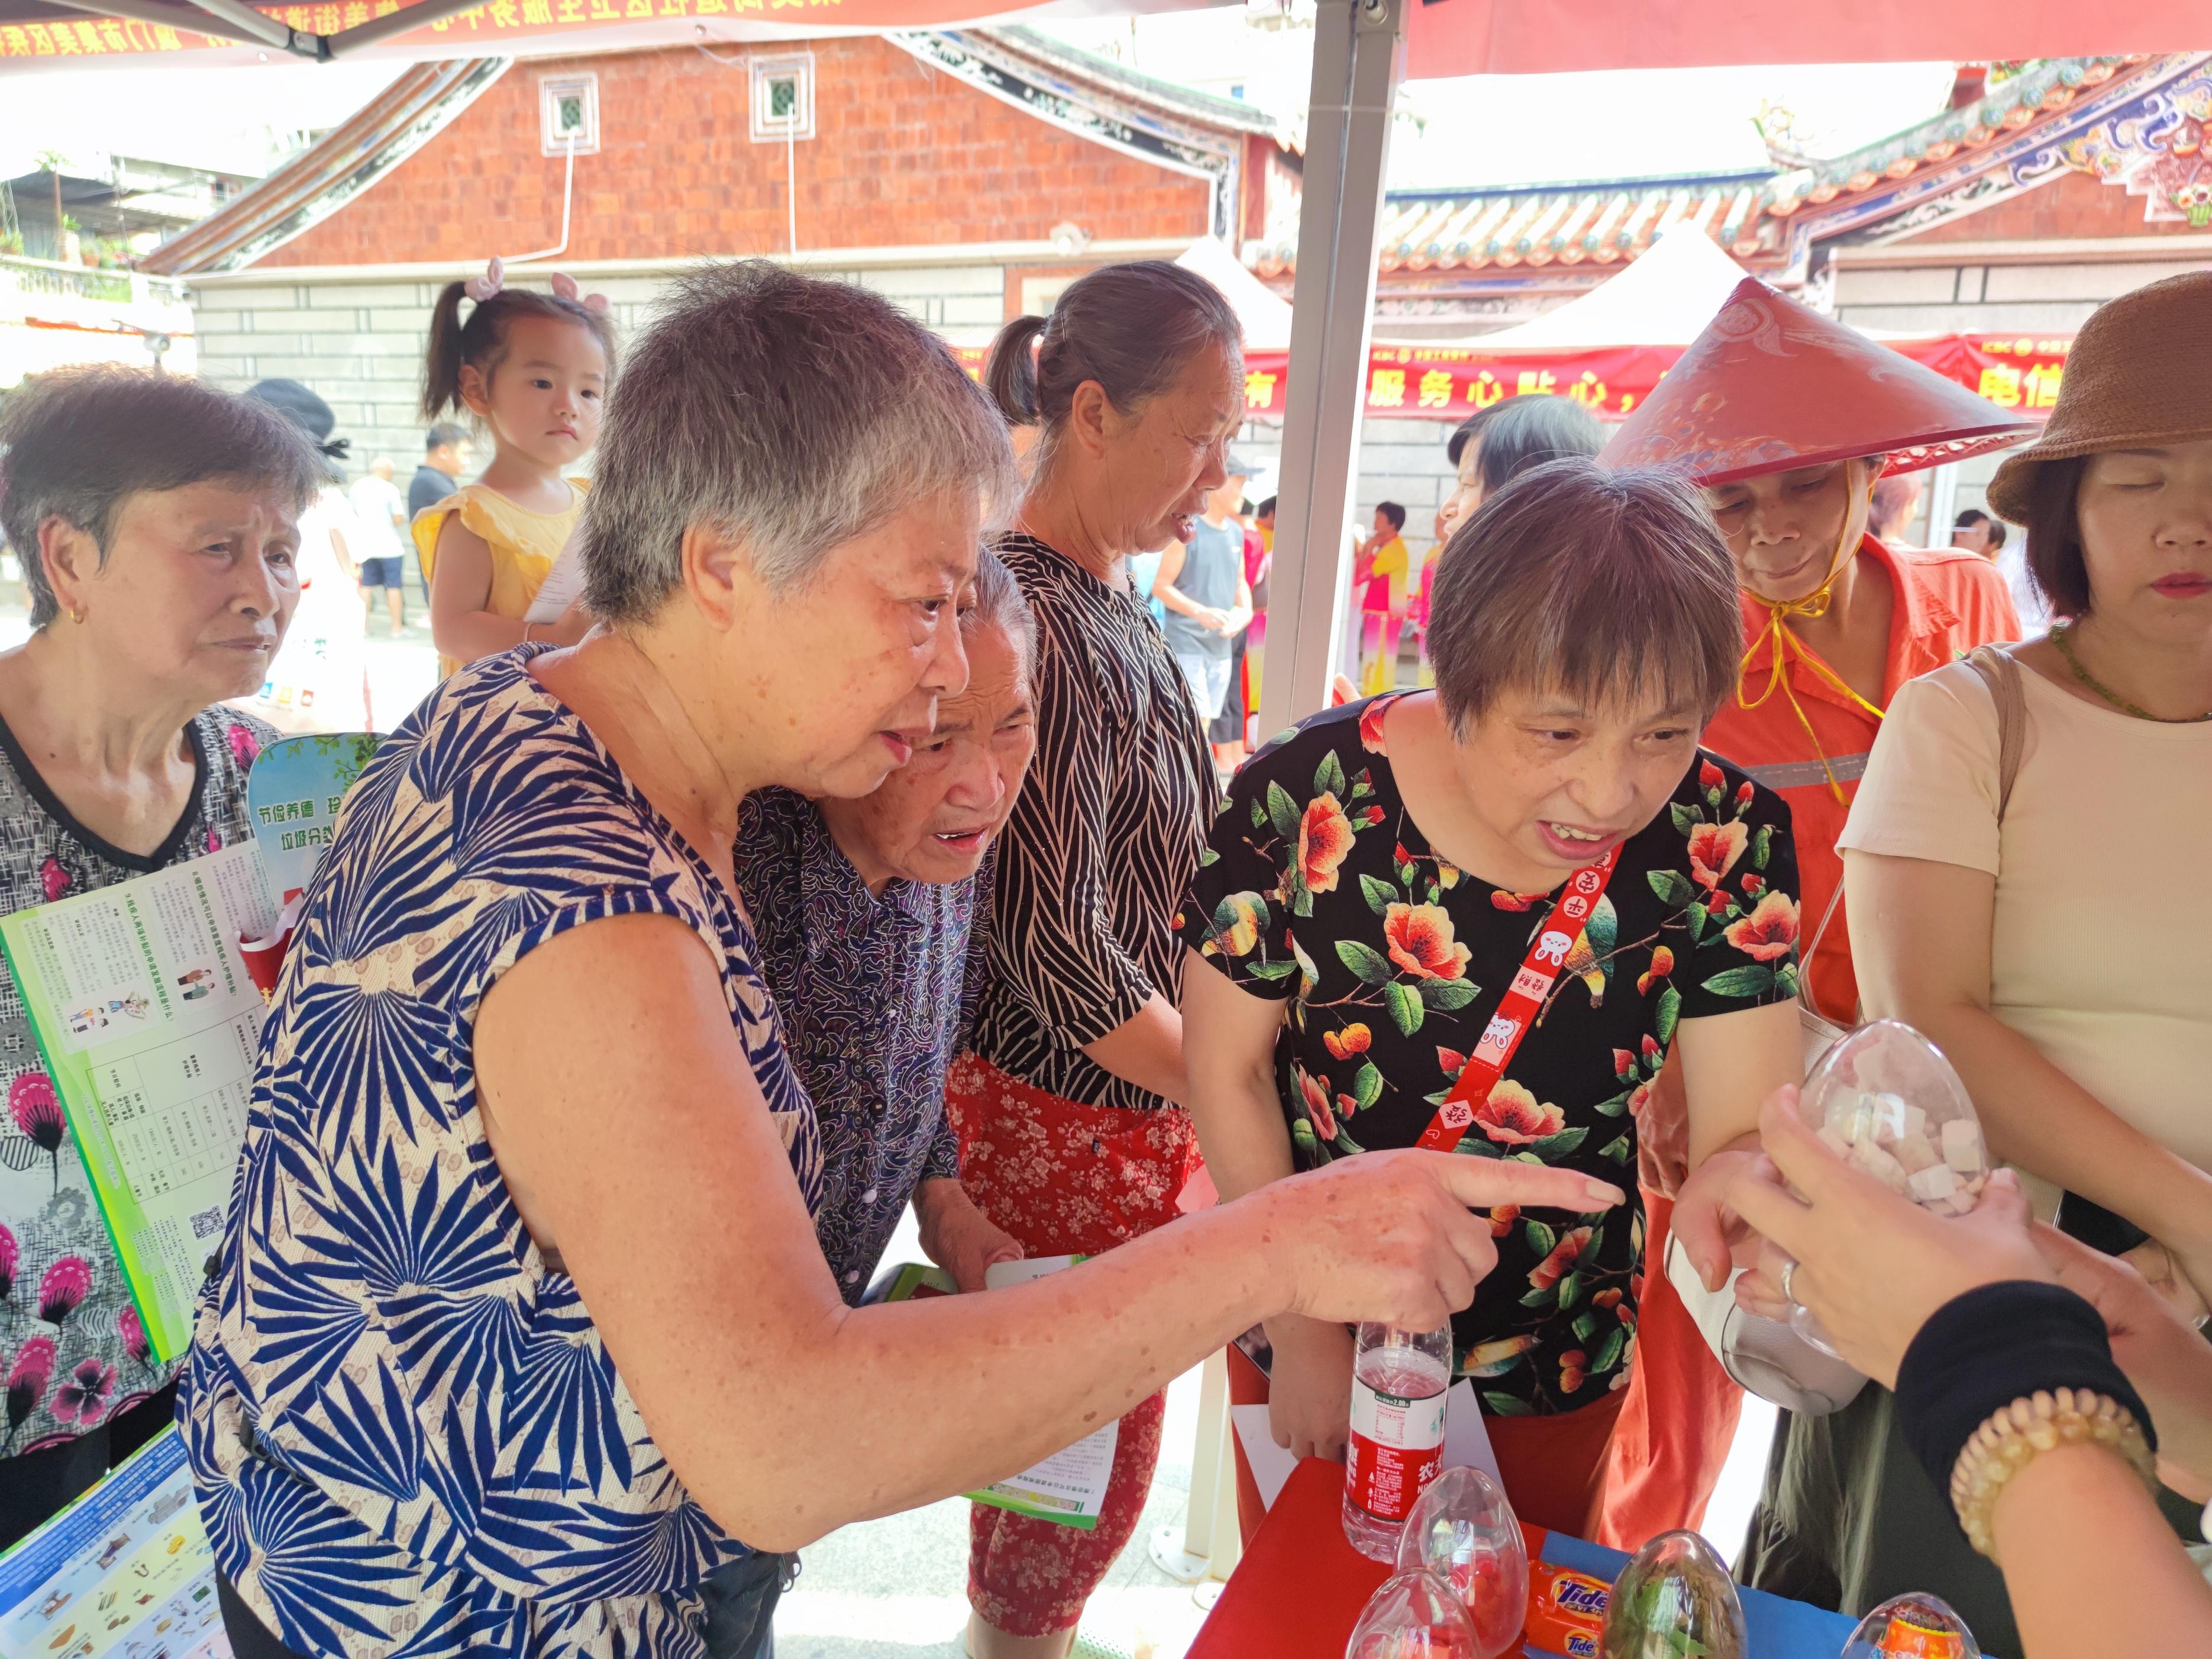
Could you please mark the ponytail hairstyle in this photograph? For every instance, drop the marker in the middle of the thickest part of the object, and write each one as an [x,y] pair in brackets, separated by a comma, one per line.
[481,342]
[1132,328]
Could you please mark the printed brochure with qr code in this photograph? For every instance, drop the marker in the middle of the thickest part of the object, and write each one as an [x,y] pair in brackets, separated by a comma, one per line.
[1069,1487]
[148,1022]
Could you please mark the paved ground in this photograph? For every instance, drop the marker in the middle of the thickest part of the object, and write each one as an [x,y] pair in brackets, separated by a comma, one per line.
[894,1589]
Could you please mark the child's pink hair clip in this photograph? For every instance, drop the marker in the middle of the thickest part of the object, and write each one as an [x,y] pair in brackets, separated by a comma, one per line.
[487,287]
[564,287]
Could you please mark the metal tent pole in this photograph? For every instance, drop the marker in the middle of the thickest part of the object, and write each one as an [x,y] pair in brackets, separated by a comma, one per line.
[1359,60]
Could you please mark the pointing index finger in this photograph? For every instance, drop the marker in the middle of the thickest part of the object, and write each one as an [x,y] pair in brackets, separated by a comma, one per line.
[1478,1182]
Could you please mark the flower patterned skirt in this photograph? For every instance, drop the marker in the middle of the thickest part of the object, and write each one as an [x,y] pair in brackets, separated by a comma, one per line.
[1065,1179]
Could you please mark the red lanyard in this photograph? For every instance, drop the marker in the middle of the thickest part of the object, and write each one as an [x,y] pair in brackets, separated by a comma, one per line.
[1523,1001]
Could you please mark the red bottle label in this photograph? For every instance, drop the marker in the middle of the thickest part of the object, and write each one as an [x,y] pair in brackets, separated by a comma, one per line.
[1396,1447]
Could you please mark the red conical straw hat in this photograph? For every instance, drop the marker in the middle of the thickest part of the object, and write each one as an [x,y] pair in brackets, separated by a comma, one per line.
[1771,385]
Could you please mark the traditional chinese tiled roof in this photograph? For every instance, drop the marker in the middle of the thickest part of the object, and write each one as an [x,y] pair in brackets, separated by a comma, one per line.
[1601,222]
[1230,113]
[383,133]
[2007,108]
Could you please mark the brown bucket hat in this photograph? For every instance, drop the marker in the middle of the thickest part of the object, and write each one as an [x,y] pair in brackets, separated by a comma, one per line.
[2137,378]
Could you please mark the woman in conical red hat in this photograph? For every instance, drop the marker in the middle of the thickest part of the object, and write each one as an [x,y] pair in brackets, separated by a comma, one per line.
[1788,419]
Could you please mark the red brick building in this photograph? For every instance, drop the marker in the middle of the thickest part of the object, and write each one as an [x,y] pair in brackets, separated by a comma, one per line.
[969,173]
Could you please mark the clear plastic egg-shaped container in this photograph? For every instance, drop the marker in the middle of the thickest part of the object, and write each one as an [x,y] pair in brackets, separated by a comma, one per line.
[1922,1627]
[1674,1597]
[1415,1615]
[1887,1103]
[1464,1531]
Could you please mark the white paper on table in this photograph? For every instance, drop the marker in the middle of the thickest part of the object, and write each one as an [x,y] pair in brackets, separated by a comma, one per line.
[564,584]
[1467,1441]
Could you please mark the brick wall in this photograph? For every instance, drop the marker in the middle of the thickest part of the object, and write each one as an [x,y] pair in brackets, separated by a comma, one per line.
[903,156]
[2073,205]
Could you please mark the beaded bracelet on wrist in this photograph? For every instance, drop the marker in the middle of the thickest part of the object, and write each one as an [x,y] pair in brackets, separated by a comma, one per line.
[2013,1435]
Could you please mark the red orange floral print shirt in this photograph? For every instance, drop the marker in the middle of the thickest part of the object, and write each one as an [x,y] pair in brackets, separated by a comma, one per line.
[1318,886]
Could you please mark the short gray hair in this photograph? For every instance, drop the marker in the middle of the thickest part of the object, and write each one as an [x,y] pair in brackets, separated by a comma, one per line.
[788,411]
[1001,604]
[78,443]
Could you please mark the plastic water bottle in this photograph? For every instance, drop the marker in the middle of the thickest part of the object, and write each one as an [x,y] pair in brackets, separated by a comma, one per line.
[1398,1383]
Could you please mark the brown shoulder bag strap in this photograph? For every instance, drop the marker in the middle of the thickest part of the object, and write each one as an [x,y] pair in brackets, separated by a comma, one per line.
[2001,673]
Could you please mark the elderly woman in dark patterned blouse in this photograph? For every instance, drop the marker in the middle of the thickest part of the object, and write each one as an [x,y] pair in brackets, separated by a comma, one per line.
[157,520]
[865,910]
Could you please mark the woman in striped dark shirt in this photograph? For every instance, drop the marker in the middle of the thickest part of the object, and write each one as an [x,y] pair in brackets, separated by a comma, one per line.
[1073,1137]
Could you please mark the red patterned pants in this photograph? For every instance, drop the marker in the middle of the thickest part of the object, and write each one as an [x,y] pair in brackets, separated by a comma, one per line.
[1065,1179]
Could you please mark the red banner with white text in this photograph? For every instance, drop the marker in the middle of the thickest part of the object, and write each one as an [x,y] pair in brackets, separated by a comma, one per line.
[1449,383]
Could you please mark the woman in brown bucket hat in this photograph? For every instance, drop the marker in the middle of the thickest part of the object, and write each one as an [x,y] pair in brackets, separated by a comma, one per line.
[2024,867]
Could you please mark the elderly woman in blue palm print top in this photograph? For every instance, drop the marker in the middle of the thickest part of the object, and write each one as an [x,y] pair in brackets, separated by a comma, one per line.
[1377,879]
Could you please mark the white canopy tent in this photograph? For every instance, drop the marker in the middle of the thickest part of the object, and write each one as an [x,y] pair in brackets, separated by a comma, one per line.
[1264,313]
[1665,299]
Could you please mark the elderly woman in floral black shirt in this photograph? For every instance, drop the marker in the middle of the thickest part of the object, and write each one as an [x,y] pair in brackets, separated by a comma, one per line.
[1479,918]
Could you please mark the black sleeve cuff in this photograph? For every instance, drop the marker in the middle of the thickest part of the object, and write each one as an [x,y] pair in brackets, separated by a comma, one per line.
[1991,1347]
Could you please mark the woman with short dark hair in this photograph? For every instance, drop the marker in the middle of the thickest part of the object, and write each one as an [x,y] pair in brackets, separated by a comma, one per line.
[157,521]
[1487,913]
[1498,444]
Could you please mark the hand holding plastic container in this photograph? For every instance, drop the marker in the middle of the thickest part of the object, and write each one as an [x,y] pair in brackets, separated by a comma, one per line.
[1397,1444]
[1887,1103]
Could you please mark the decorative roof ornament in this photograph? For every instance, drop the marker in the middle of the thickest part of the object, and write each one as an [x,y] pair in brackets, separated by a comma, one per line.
[1771,385]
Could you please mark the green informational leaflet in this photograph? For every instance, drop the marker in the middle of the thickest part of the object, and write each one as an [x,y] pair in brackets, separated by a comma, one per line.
[293,796]
[149,1023]
[1069,1487]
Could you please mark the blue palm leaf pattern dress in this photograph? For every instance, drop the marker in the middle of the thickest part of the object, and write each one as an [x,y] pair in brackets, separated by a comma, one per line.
[406,1435]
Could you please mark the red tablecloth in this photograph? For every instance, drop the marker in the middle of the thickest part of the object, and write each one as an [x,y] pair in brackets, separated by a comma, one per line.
[1300,1589]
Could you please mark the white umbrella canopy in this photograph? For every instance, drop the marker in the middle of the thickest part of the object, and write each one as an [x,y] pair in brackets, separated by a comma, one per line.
[1664,298]
[1264,313]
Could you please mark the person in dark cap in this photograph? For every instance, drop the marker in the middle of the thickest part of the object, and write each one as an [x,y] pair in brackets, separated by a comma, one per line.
[319,681]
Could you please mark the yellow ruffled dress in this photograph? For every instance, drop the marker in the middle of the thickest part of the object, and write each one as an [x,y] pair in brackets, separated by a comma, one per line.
[523,544]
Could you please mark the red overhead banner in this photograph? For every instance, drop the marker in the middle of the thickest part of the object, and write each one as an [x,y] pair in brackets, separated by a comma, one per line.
[1449,383]
[1447,37]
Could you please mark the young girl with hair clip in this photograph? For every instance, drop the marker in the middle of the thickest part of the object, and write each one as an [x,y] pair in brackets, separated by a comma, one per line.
[532,368]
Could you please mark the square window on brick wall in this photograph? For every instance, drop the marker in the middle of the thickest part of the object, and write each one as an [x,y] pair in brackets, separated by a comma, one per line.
[783,97]
[568,115]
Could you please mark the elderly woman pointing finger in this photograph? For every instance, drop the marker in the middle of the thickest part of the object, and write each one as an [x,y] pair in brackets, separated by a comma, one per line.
[521,1339]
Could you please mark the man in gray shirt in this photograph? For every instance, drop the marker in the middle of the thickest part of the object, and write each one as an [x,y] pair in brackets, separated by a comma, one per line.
[1209,602]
